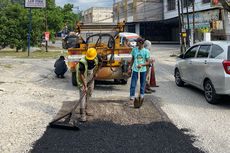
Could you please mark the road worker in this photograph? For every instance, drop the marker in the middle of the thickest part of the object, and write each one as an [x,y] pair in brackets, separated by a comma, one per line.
[85,72]
[148,90]
[139,62]
[60,67]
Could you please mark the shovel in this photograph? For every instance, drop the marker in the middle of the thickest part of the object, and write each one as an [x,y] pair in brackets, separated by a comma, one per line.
[138,101]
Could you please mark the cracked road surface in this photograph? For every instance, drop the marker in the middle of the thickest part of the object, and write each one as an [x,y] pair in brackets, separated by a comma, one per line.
[31,97]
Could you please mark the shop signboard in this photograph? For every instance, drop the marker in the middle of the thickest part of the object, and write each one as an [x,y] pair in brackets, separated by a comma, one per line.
[35,3]
[217,25]
[47,36]
[202,19]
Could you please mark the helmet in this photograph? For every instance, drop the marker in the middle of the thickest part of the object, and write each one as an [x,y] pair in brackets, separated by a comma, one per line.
[91,53]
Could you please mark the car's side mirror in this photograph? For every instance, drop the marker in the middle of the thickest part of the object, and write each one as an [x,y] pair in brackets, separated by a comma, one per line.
[181,56]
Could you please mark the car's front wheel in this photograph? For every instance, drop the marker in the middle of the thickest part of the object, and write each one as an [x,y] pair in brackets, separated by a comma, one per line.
[178,79]
[210,92]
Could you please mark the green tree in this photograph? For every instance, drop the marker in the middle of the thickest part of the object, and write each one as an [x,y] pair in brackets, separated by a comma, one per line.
[4,3]
[69,17]
[13,26]
[14,21]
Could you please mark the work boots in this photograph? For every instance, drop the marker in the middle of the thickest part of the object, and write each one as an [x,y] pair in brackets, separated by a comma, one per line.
[88,111]
[148,90]
[82,115]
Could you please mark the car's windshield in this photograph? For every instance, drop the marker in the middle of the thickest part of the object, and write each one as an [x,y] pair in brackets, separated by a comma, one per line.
[132,39]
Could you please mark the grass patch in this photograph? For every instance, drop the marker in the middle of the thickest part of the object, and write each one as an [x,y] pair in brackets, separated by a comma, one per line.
[6,66]
[36,54]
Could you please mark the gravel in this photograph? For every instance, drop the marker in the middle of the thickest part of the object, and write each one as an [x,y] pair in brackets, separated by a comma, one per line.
[31,97]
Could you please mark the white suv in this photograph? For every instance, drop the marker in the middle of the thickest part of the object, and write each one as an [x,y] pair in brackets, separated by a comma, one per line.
[206,65]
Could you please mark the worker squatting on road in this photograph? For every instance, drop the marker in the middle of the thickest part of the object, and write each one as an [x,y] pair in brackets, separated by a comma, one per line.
[139,61]
[60,67]
[85,72]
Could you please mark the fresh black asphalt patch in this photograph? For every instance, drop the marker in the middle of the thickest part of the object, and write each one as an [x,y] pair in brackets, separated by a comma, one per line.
[107,137]
[149,131]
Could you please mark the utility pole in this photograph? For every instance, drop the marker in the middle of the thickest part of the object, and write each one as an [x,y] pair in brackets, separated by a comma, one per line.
[144,21]
[183,27]
[193,21]
[144,11]
[118,12]
[30,28]
[126,11]
[182,13]
[188,26]
[114,10]
[180,30]
[46,27]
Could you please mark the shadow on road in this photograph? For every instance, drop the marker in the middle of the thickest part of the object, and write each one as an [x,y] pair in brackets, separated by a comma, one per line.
[107,85]
[108,137]
[100,82]
[224,101]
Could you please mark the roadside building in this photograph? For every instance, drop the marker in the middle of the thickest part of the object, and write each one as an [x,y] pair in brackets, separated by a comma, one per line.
[142,17]
[98,15]
[158,20]
[146,18]
[208,18]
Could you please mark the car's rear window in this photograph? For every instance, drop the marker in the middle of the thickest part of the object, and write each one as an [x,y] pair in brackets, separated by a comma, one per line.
[216,50]
[228,52]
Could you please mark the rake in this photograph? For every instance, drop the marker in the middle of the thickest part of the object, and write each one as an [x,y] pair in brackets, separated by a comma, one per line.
[66,123]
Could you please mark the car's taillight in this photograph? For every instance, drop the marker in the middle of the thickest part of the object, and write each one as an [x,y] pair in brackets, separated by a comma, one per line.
[226,65]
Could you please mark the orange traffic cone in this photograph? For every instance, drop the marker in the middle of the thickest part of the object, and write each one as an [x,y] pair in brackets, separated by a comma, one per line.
[152,77]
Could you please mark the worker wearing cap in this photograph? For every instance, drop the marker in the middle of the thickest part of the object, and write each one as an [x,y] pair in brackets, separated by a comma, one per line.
[85,71]
[140,59]
[148,90]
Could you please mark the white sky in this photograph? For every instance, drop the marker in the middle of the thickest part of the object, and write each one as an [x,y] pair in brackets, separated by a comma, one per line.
[85,4]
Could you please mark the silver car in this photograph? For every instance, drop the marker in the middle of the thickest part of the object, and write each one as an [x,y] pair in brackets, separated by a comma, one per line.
[206,65]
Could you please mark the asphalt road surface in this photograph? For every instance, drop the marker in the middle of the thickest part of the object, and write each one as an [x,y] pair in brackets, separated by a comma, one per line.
[31,97]
[118,128]
[187,107]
